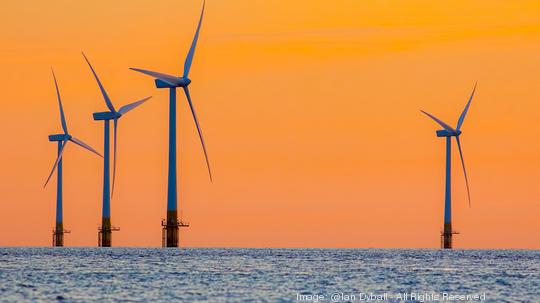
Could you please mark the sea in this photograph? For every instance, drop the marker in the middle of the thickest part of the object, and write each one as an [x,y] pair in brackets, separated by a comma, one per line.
[268,275]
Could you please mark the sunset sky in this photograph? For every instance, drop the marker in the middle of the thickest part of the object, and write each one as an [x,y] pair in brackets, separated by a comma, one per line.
[310,111]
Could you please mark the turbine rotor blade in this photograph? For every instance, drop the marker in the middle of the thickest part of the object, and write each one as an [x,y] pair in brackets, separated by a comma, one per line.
[114,152]
[103,92]
[191,53]
[62,117]
[186,90]
[56,162]
[172,80]
[84,145]
[464,170]
[465,110]
[441,123]
[126,108]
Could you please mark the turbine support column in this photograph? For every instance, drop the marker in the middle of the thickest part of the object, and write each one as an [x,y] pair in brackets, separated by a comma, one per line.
[106,229]
[58,231]
[171,224]
[447,231]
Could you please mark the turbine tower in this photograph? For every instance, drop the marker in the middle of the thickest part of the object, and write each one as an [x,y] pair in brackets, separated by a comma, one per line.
[448,132]
[106,229]
[170,227]
[62,139]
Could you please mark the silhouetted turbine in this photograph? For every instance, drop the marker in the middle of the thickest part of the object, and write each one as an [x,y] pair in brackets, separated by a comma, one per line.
[172,82]
[450,132]
[115,115]
[62,140]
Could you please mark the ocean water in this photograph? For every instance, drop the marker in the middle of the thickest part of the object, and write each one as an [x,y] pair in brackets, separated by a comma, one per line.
[267,275]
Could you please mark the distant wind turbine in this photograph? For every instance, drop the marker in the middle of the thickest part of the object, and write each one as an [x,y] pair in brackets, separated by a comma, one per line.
[62,139]
[105,232]
[450,132]
[172,82]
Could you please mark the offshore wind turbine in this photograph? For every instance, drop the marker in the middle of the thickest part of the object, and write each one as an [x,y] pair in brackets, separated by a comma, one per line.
[62,139]
[448,132]
[106,229]
[170,227]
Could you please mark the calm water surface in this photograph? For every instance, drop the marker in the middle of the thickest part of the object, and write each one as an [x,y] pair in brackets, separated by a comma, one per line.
[259,275]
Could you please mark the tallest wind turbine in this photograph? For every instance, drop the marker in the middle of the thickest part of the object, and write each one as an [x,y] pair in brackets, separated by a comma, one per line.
[170,228]
[448,132]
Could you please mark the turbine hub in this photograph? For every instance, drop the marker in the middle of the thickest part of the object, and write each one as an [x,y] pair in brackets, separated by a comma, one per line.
[186,81]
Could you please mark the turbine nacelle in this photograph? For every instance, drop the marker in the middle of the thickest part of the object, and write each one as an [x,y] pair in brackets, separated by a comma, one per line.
[172,83]
[59,137]
[106,115]
[447,133]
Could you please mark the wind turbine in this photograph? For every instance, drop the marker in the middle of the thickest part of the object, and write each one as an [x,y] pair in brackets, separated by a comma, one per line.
[448,132]
[170,228]
[106,229]
[62,139]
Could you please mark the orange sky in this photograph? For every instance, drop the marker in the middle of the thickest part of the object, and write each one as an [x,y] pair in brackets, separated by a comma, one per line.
[310,111]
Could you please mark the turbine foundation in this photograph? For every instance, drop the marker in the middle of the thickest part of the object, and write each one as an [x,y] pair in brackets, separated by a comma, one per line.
[170,229]
[447,236]
[58,235]
[105,233]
